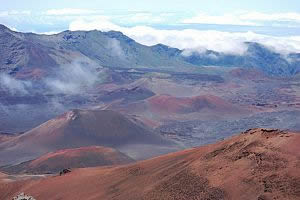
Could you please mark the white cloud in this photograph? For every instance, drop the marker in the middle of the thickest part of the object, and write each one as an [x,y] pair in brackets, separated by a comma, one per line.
[46,33]
[114,46]
[14,86]
[220,41]
[72,78]
[96,23]
[69,79]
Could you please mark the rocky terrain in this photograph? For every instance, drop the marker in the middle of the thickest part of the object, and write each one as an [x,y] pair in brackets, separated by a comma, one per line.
[22,196]
[201,132]
[83,157]
[265,163]
[47,76]
[81,99]
[32,54]
[80,128]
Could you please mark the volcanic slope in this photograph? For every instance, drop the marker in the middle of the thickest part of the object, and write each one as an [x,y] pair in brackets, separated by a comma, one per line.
[33,56]
[83,157]
[257,164]
[169,104]
[27,52]
[163,108]
[5,137]
[80,128]
[2,175]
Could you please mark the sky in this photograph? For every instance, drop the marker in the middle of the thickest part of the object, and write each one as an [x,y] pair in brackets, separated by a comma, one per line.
[198,22]
[212,6]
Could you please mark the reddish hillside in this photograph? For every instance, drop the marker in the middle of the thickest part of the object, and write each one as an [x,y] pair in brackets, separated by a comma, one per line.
[71,158]
[161,109]
[248,74]
[80,128]
[169,104]
[258,164]
[5,137]
[2,175]
[2,179]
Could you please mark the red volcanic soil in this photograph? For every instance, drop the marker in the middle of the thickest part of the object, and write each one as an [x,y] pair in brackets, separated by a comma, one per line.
[32,74]
[2,175]
[258,164]
[169,104]
[80,128]
[2,178]
[71,158]
[5,137]
[249,74]
[156,110]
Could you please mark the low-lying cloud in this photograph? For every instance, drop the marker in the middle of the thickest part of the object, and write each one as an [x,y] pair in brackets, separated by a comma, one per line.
[227,42]
[113,45]
[71,79]
[14,86]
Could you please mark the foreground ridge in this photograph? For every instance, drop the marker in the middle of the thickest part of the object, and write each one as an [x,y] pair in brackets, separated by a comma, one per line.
[22,196]
[257,164]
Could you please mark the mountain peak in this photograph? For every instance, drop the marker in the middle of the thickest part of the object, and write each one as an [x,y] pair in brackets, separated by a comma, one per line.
[3,28]
[72,115]
[118,35]
[160,45]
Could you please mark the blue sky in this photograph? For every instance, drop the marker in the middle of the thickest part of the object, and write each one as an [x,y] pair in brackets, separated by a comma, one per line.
[212,6]
[216,24]
[261,16]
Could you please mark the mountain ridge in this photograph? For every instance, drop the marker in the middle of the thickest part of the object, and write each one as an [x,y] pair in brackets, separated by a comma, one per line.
[27,51]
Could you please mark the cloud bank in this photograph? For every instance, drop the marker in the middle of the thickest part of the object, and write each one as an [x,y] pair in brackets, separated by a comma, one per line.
[197,40]
[71,79]
[55,19]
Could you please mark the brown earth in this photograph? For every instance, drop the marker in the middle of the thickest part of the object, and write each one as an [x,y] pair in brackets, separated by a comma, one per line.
[257,164]
[160,109]
[169,104]
[5,137]
[248,74]
[2,175]
[82,157]
[80,128]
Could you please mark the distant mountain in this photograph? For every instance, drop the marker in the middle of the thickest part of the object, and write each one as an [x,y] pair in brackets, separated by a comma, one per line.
[25,52]
[34,54]
[54,162]
[81,128]
[257,56]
